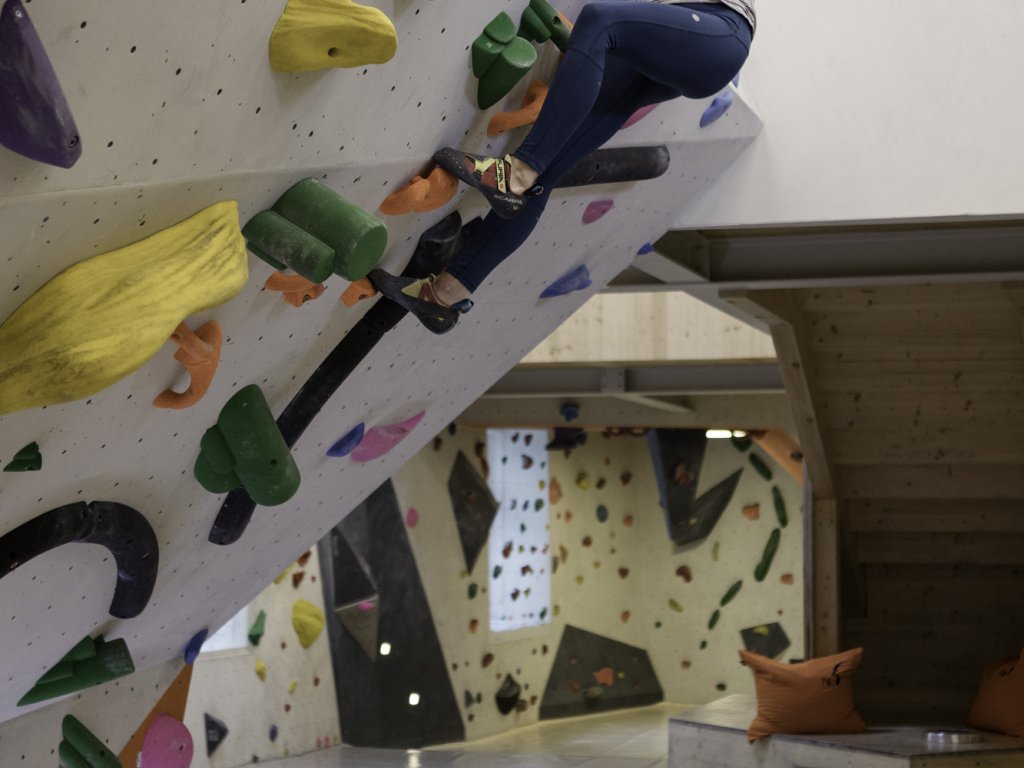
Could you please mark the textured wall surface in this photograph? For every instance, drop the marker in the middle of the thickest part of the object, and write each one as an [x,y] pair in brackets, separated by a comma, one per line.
[178,108]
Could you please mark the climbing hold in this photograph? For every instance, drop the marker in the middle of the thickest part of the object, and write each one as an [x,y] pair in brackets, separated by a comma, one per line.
[273,733]
[28,459]
[645,249]
[245,448]
[761,571]
[597,210]
[380,440]
[412,517]
[601,483]
[195,645]
[317,233]
[780,507]
[624,617]
[674,605]
[295,289]
[527,461]
[35,120]
[498,33]
[637,116]
[496,572]
[577,279]
[569,411]
[540,22]
[422,194]
[486,660]
[258,628]
[714,551]
[307,621]
[122,530]
[719,106]
[216,731]
[348,443]
[554,491]
[741,444]
[508,695]
[500,59]
[473,625]
[752,511]
[199,352]
[768,640]
[623,573]
[317,34]
[762,469]
[472,590]
[63,344]
[604,676]
[81,749]
[626,478]
[587,541]
[602,513]
[503,122]
[281,576]
[91,662]
[474,506]
[171,704]
[628,521]
[168,744]
[359,289]
[297,578]
[731,593]
[787,579]
[261,670]
[609,166]
[713,621]
[566,439]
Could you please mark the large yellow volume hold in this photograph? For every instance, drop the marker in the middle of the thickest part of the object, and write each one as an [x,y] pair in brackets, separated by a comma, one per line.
[103,318]
[317,34]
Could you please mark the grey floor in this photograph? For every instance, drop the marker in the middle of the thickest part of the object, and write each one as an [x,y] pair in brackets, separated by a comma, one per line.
[634,738]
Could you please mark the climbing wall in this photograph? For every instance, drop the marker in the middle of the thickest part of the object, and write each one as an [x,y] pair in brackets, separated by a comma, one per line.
[177,109]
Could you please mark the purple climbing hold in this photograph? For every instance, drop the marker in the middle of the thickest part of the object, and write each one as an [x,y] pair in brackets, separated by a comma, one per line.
[35,120]
[379,440]
[597,210]
[273,733]
[736,80]
[639,115]
[576,280]
[195,645]
[645,249]
[167,744]
[348,443]
[718,107]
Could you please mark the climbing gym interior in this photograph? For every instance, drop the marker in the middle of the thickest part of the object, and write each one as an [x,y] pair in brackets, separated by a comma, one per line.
[724,466]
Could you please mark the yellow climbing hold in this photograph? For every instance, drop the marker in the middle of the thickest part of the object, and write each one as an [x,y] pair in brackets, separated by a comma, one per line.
[317,34]
[261,669]
[308,622]
[281,576]
[292,686]
[762,630]
[103,318]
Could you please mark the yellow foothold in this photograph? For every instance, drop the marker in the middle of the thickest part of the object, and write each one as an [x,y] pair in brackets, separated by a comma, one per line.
[308,622]
[763,630]
[292,686]
[318,34]
[714,551]
[583,481]
[261,669]
[283,574]
[105,317]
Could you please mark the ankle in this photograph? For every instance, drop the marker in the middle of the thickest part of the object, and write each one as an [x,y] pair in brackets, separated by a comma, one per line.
[449,290]
[523,176]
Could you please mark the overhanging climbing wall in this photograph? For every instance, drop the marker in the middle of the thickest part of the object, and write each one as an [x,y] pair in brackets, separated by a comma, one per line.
[177,109]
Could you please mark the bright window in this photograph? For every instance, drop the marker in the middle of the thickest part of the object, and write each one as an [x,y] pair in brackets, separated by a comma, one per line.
[233,635]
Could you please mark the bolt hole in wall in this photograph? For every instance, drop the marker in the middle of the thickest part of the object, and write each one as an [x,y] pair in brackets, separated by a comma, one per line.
[519,544]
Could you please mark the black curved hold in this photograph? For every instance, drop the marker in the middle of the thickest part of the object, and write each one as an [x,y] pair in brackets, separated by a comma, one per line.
[434,251]
[607,166]
[121,529]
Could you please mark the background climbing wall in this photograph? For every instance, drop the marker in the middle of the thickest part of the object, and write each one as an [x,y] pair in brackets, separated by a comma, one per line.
[617,575]
[177,109]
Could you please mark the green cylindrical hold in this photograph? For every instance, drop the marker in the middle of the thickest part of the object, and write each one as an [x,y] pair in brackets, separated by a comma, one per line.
[761,571]
[780,506]
[559,32]
[282,245]
[81,739]
[357,238]
[762,469]
[532,27]
[489,45]
[69,757]
[508,69]
[84,649]
[741,444]
[211,479]
[714,619]
[112,660]
[214,446]
[733,591]
[258,628]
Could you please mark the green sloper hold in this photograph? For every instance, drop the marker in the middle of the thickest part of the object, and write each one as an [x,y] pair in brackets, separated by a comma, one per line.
[761,571]
[258,628]
[780,507]
[762,469]
[245,447]
[741,444]
[514,61]
[733,591]
[540,22]
[28,459]
[713,621]
[81,749]
[498,33]
[89,663]
[316,232]
[307,621]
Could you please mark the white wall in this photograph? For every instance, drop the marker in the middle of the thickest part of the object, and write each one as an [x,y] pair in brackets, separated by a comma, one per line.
[878,110]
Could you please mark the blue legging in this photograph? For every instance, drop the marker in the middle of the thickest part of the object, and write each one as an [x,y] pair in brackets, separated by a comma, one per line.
[621,56]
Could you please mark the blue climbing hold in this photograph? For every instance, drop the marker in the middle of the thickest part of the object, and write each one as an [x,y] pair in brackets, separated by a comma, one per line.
[602,513]
[645,249]
[718,107]
[736,80]
[576,280]
[195,645]
[348,443]
[570,411]
[273,733]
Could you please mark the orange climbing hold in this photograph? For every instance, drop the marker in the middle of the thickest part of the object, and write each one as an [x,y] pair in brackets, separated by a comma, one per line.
[752,511]
[422,194]
[359,290]
[172,703]
[605,677]
[199,352]
[503,122]
[295,289]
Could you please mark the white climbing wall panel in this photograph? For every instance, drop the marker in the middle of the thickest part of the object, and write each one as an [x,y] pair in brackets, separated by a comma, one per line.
[178,108]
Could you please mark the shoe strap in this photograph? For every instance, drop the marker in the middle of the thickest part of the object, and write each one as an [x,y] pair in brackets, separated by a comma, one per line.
[482,165]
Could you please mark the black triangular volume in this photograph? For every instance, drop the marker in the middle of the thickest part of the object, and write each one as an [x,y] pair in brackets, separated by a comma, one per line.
[474,508]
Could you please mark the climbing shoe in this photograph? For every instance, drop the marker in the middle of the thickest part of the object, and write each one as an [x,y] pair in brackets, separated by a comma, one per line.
[418,297]
[491,176]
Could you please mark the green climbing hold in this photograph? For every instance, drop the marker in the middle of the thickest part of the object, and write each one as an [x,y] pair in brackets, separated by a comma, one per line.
[497,572]
[514,61]
[472,590]
[258,628]
[674,605]
[488,46]
[741,444]
[28,459]
[762,469]
[540,22]
[721,686]
[703,644]
[713,621]
[82,749]
[91,662]
[733,591]
[761,571]
[780,506]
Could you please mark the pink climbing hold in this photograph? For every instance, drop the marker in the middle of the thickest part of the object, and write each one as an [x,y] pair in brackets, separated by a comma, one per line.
[596,210]
[366,606]
[380,440]
[167,744]
[412,517]
[639,115]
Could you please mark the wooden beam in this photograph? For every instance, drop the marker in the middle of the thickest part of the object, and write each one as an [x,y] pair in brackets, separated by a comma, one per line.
[821,566]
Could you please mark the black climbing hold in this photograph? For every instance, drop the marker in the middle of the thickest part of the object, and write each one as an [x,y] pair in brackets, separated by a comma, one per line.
[474,507]
[608,166]
[508,695]
[767,640]
[216,731]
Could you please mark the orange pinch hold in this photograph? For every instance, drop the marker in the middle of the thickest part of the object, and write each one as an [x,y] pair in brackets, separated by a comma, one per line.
[605,677]
[359,290]
[422,194]
[504,122]
[295,289]
[199,352]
